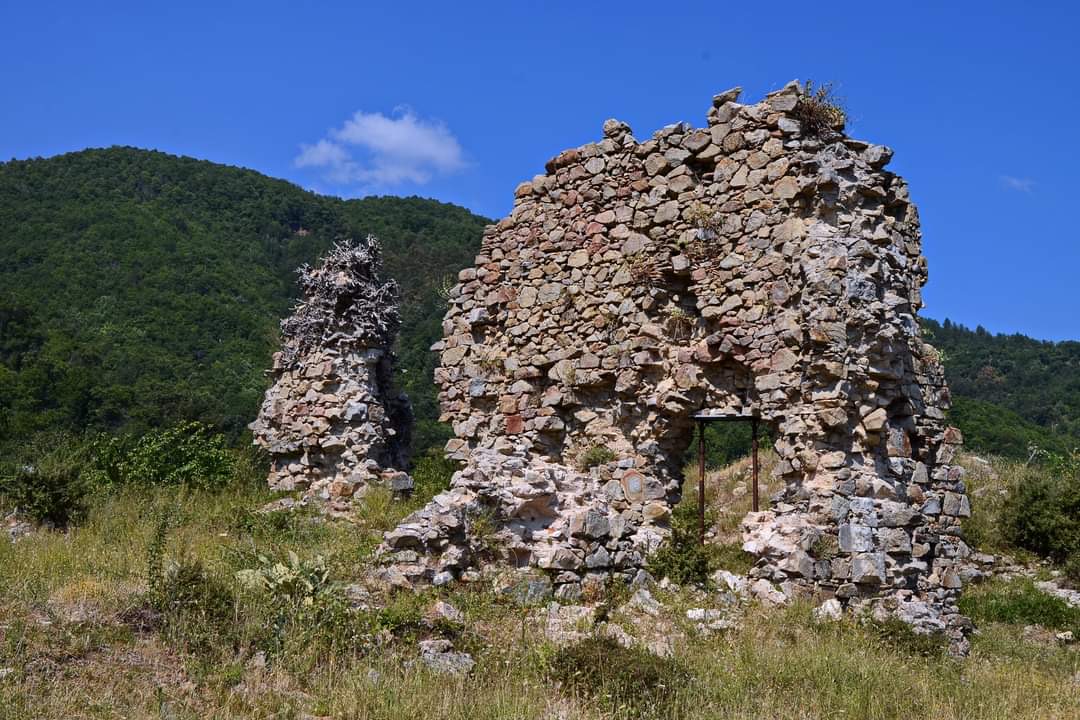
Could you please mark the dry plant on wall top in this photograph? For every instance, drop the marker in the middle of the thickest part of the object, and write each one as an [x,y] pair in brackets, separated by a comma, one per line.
[820,111]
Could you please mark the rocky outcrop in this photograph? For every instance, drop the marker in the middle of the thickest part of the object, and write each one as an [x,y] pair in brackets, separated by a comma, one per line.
[332,421]
[745,268]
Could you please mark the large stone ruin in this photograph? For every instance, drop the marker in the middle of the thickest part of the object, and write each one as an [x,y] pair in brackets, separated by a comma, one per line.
[331,421]
[763,265]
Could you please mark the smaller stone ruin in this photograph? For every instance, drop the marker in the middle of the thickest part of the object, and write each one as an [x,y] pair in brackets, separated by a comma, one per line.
[332,421]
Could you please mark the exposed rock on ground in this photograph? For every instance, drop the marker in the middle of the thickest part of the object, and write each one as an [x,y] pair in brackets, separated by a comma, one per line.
[981,566]
[830,610]
[16,526]
[440,656]
[1071,597]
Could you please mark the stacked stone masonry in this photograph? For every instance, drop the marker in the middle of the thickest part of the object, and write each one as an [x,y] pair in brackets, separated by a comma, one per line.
[331,421]
[742,268]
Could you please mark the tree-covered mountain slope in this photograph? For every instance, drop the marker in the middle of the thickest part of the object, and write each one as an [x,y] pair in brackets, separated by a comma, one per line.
[139,288]
[1010,391]
[425,244]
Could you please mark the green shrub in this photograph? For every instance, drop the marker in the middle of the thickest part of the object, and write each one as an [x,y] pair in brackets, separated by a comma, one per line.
[198,611]
[191,453]
[108,453]
[1071,569]
[626,682]
[682,559]
[1041,512]
[1019,603]
[595,455]
[46,482]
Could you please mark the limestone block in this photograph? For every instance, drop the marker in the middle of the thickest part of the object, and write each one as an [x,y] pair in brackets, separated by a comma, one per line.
[868,568]
[856,538]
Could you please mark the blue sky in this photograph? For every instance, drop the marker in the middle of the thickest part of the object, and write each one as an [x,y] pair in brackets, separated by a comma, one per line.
[461,101]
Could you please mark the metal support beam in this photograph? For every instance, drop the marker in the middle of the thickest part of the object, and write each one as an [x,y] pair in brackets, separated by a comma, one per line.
[754,448]
[701,481]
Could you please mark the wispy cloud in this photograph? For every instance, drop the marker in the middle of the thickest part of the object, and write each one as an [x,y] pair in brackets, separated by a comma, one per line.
[372,150]
[1024,185]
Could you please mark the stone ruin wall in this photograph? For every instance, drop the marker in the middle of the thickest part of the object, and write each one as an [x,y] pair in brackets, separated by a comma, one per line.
[332,422]
[743,267]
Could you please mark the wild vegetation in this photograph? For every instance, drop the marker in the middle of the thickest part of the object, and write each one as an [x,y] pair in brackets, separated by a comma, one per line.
[139,306]
[1027,508]
[1010,391]
[820,111]
[180,601]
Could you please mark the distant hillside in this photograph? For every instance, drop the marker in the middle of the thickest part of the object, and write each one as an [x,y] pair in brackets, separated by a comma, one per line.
[425,243]
[140,288]
[1010,390]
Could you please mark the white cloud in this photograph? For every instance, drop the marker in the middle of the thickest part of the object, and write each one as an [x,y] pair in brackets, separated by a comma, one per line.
[1024,185]
[372,149]
[322,154]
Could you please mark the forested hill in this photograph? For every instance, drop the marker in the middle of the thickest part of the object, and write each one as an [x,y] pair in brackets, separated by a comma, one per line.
[425,243]
[1010,390]
[139,288]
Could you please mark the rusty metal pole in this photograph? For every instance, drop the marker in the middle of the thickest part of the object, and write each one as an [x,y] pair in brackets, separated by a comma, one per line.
[701,481]
[754,448]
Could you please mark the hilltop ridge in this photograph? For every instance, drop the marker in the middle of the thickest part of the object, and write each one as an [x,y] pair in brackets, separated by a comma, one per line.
[140,288]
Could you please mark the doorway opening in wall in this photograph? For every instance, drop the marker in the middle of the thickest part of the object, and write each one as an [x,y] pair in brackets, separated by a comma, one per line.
[706,521]
[703,419]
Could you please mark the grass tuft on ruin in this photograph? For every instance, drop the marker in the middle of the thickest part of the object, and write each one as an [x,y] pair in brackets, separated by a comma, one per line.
[820,111]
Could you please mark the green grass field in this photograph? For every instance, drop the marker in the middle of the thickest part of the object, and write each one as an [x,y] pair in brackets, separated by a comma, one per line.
[85,633]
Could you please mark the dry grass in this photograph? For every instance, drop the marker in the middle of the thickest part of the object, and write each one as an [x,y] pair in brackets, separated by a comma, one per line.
[987,485]
[67,635]
[728,495]
[820,111]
